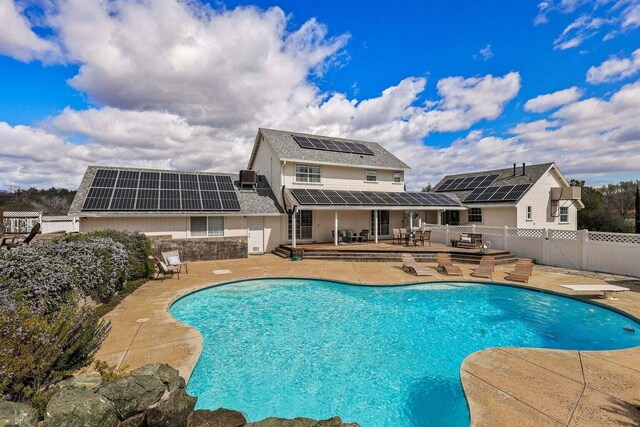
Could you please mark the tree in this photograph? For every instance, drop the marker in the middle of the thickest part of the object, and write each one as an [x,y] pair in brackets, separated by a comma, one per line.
[620,198]
[426,188]
[637,208]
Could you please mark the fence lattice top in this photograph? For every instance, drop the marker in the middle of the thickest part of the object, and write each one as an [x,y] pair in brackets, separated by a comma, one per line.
[599,236]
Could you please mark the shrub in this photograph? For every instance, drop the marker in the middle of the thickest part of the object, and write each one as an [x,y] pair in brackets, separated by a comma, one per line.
[37,349]
[137,246]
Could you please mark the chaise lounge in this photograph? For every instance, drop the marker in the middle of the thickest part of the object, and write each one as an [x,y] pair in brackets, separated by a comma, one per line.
[446,265]
[486,267]
[409,264]
[522,272]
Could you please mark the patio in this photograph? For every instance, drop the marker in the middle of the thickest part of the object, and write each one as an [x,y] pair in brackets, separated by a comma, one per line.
[503,386]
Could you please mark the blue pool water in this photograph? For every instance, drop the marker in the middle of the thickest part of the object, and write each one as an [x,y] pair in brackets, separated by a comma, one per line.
[377,356]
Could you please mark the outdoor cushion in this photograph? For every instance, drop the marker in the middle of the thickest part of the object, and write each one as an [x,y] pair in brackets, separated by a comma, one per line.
[173,260]
[465,239]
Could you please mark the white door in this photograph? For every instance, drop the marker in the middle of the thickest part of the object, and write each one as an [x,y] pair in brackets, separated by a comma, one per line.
[256,234]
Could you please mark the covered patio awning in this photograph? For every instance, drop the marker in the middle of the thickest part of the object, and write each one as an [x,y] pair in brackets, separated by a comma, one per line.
[317,199]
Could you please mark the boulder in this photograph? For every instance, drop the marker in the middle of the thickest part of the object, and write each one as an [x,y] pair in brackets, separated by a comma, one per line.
[133,394]
[89,380]
[134,421]
[13,414]
[173,411]
[300,422]
[78,407]
[165,373]
[221,417]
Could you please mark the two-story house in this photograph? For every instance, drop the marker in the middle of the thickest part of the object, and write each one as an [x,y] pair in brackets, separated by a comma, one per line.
[302,188]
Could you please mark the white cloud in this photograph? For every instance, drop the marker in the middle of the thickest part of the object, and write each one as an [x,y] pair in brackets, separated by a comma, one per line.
[17,39]
[614,68]
[578,31]
[546,102]
[484,54]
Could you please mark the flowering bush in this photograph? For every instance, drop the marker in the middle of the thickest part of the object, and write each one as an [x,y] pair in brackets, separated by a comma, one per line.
[39,349]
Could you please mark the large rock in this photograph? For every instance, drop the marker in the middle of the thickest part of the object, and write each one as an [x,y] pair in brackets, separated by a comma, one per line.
[89,380]
[14,414]
[221,417]
[173,411]
[165,373]
[134,421]
[78,407]
[300,422]
[133,394]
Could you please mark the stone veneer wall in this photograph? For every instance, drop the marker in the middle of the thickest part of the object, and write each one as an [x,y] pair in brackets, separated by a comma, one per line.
[202,249]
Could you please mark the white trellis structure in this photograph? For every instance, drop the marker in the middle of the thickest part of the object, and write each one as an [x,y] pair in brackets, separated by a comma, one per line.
[617,253]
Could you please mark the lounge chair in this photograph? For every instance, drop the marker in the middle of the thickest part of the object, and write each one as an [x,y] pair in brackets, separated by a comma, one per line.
[522,271]
[11,243]
[409,264]
[445,265]
[172,258]
[486,267]
[396,235]
[164,270]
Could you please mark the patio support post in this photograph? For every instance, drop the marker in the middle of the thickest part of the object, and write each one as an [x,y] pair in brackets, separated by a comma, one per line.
[335,227]
[375,225]
[439,217]
[293,229]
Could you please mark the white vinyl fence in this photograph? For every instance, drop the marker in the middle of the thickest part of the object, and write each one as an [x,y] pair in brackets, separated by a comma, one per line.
[617,253]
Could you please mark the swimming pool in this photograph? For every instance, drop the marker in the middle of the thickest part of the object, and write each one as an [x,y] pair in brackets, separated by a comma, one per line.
[379,356]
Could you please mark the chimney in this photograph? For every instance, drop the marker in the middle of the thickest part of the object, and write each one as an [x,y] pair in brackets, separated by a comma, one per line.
[514,169]
[523,169]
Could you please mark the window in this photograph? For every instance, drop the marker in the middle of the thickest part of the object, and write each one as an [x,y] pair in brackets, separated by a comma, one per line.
[564,214]
[529,213]
[371,175]
[304,225]
[383,223]
[308,173]
[475,215]
[207,226]
[397,176]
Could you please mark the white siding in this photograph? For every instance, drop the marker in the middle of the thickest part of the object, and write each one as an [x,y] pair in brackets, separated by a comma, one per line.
[267,163]
[343,178]
[273,235]
[544,216]
[176,227]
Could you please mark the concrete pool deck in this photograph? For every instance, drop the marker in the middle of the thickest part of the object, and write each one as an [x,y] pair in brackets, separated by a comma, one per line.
[504,386]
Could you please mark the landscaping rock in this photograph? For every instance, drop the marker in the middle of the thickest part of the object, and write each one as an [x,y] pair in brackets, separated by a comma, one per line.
[165,373]
[133,394]
[14,414]
[89,380]
[221,417]
[134,421]
[77,407]
[172,412]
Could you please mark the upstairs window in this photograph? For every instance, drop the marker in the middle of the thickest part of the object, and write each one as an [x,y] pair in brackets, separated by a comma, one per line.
[308,173]
[529,213]
[371,175]
[564,214]
[397,176]
[475,215]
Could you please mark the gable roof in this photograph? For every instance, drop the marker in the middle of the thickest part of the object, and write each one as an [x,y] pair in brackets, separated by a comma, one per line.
[533,173]
[259,202]
[286,148]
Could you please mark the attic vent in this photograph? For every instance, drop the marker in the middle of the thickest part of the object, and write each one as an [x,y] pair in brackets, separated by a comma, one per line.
[248,178]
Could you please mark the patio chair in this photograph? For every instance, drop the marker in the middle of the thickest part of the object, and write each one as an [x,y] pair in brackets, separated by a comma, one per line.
[425,236]
[365,235]
[522,271]
[352,237]
[409,264]
[172,258]
[396,236]
[164,270]
[403,234]
[11,243]
[486,267]
[446,265]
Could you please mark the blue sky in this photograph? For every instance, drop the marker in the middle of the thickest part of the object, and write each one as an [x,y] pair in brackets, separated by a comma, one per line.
[187,86]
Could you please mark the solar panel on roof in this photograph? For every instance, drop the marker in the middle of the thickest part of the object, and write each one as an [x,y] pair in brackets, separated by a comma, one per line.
[370,198]
[502,193]
[127,190]
[326,144]
[467,183]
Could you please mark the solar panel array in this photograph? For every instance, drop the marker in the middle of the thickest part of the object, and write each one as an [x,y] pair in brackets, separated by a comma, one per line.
[502,193]
[467,183]
[371,198]
[332,145]
[127,190]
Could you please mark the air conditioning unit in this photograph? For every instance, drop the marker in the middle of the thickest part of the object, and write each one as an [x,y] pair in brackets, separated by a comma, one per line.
[248,178]
[566,193]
